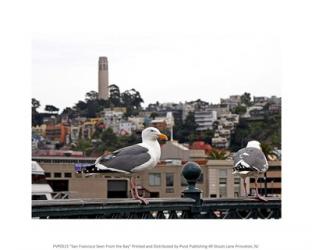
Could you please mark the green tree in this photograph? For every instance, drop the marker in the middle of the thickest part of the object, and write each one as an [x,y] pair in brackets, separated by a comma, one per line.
[84,145]
[137,99]
[240,110]
[114,95]
[80,106]
[92,109]
[246,99]
[132,100]
[153,115]
[267,131]
[199,104]
[36,117]
[91,96]
[35,104]
[208,135]
[51,109]
[186,131]
[69,112]
[109,139]
[218,154]
[268,150]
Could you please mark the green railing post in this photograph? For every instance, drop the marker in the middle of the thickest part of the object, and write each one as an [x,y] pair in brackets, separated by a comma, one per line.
[191,172]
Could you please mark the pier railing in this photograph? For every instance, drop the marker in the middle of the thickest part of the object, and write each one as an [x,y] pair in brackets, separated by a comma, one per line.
[179,208]
[189,206]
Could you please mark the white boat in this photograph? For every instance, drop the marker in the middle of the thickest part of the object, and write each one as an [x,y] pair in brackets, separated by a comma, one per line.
[41,190]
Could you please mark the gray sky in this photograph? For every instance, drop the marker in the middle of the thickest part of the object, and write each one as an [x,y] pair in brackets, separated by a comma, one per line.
[164,67]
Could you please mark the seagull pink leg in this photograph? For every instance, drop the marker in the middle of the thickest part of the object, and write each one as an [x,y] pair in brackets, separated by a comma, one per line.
[245,187]
[135,192]
[259,197]
[132,187]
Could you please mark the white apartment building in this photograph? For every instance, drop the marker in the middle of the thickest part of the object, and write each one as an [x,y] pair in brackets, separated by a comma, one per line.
[205,119]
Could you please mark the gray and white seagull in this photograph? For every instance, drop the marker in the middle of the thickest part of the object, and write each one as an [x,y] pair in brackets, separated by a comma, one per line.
[250,162]
[131,159]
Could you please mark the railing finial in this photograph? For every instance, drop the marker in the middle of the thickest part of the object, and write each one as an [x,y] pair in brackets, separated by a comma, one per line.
[191,172]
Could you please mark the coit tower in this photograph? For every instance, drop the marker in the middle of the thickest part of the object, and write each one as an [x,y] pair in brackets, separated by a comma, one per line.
[103,78]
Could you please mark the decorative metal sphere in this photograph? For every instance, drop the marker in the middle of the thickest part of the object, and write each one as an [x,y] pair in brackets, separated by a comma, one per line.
[191,172]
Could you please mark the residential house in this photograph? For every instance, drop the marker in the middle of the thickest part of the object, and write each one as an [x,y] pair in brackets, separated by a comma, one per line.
[57,133]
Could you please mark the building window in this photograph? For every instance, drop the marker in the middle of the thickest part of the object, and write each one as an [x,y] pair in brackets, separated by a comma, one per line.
[47,174]
[169,183]
[169,179]
[237,186]
[68,175]
[223,173]
[222,191]
[222,181]
[222,187]
[57,175]
[237,181]
[154,179]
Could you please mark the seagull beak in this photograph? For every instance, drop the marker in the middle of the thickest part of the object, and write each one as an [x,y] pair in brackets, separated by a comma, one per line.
[163,137]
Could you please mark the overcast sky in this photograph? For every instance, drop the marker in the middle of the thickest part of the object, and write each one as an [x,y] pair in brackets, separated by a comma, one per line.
[164,67]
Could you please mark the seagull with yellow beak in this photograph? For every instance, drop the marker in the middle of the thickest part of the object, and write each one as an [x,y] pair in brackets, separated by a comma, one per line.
[131,159]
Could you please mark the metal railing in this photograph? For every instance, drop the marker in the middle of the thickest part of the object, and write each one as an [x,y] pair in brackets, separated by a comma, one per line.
[190,206]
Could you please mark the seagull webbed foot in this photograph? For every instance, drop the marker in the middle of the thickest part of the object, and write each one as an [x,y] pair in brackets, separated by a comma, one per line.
[143,201]
[261,198]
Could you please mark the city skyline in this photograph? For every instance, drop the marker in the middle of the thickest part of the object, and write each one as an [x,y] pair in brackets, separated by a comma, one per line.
[183,67]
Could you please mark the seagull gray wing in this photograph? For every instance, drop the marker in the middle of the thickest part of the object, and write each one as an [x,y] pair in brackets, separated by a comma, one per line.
[237,156]
[254,157]
[125,159]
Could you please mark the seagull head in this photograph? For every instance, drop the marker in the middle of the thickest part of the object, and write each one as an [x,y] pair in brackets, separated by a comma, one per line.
[254,144]
[152,134]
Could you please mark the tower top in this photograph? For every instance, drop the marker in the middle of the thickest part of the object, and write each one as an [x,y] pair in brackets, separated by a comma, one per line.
[103,63]
[103,78]
[102,59]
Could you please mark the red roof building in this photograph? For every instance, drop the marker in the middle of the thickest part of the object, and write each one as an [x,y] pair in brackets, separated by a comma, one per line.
[201,145]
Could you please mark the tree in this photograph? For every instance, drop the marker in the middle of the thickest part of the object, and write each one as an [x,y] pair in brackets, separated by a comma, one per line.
[215,125]
[51,109]
[109,139]
[92,109]
[208,135]
[266,131]
[217,154]
[132,100]
[84,145]
[246,99]
[91,96]
[36,117]
[136,99]
[35,104]
[268,150]
[240,110]
[69,112]
[186,131]
[114,95]
[80,106]
[153,115]
[199,104]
